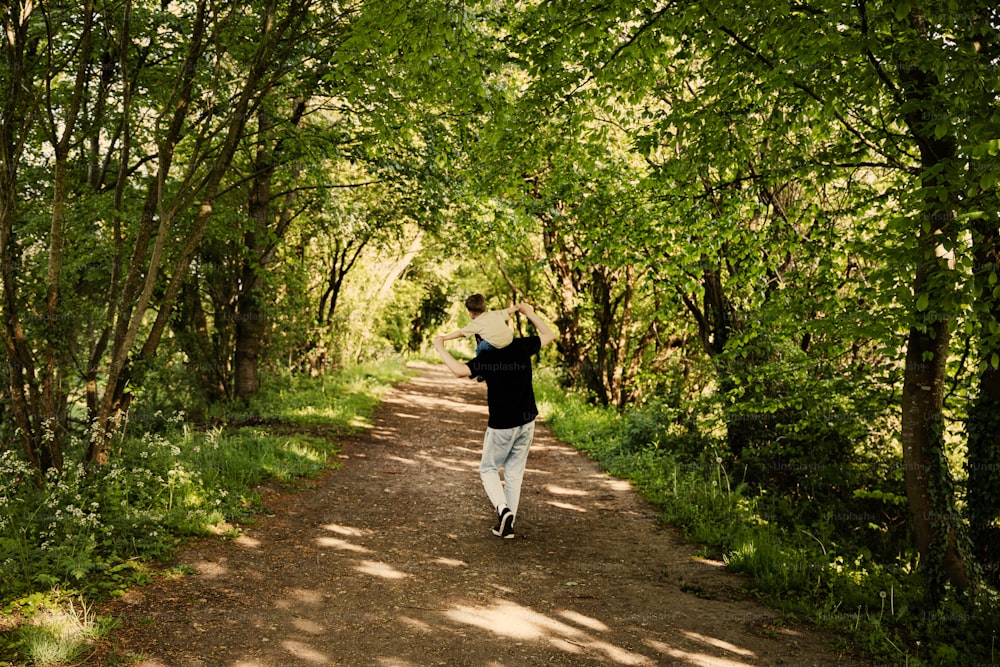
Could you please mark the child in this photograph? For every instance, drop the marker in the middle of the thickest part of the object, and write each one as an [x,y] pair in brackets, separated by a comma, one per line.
[490,326]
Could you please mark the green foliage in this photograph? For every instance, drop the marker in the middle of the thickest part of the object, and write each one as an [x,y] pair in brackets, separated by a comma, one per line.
[56,630]
[823,571]
[83,528]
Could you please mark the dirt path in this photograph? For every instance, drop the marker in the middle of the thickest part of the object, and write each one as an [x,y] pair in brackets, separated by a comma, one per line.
[390,561]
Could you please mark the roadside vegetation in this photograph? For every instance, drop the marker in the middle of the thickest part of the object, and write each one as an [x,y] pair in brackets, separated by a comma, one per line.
[805,564]
[89,534]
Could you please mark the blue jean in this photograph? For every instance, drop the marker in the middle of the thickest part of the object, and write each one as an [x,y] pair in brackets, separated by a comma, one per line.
[506,447]
[482,346]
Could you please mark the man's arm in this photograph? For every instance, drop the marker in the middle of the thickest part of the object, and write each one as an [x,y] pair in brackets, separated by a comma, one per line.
[545,332]
[460,369]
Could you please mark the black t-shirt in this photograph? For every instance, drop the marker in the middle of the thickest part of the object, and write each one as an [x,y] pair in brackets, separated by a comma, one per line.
[507,371]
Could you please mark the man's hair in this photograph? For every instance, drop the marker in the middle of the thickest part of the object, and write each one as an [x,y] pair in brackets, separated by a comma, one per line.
[476,303]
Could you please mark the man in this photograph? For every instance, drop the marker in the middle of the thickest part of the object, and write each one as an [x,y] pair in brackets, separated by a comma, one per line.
[510,398]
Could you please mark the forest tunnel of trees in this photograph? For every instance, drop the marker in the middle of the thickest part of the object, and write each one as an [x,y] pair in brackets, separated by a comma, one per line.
[772,227]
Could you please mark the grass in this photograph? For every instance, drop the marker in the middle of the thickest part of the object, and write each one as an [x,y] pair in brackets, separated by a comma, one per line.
[808,572]
[61,631]
[86,534]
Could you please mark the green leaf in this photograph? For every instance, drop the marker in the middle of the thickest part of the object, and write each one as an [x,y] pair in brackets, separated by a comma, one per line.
[922,302]
[988,180]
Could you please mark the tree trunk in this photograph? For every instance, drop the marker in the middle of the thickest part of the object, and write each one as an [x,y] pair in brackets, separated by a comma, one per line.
[567,321]
[250,316]
[983,429]
[926,476]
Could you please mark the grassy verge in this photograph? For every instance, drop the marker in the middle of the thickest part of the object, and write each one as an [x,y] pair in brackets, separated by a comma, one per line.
[86,533]
[807,572]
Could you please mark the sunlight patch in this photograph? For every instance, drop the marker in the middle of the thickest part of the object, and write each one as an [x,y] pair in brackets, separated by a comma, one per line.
[395,662]
[417,624]
[565,506]
[307,626]
[718,643]
[245,541]
[704,660]
[585,621]
[306,653]
[345,530]
[563,491]
[615,484]
[344,545]
[383,570]
[507,619]
[306,596]
[452,562]
[209,570]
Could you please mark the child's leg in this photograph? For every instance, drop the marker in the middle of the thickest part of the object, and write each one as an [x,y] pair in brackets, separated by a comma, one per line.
[483,346]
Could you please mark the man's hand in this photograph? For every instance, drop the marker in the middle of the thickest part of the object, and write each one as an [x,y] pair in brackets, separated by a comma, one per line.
[545,332]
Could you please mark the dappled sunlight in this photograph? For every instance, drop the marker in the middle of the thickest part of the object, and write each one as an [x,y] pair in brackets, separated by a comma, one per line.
[378,569]
[557,490]
[305,596]
[614,484]
[306,653]
[308,626]
[346,530]
[507,619]
[565,506]
[416,624]
[437,404]
[450,464]
[704,660]
[246,541]
[585,621]
[414,577]
[400,459]
[452,562]
[210,570]
[343,545]
[468,463]
[717,643]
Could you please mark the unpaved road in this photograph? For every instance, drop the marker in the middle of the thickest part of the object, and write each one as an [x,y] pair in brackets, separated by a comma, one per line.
[389,561]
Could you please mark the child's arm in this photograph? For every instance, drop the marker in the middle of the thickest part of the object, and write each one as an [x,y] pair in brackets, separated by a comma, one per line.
[453,335]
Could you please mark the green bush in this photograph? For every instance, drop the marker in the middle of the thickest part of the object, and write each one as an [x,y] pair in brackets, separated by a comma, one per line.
[84,528]
[822,570]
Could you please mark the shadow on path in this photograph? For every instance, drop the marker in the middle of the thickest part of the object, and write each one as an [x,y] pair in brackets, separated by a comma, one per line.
[390,561]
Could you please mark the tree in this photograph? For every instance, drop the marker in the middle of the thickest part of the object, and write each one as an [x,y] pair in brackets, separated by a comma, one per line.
[162,201]
[891,90]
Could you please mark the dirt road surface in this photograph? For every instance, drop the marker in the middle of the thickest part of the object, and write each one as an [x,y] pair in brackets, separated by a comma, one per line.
[389,561]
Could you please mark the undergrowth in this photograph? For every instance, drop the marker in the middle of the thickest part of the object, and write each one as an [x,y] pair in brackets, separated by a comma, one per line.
[817,572]
[86,533]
